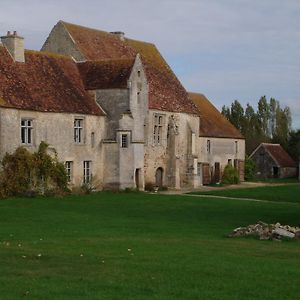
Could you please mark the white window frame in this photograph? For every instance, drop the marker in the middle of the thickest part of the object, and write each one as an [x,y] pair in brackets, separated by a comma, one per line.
[158,123]
[87,171]
[78,130]
[26,131]
[69,170]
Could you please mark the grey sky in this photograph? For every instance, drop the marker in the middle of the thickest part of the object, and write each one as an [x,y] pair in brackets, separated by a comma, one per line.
[226,49]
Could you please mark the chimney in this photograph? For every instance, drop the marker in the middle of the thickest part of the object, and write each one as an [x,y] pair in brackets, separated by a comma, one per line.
[119,34]
[14,45]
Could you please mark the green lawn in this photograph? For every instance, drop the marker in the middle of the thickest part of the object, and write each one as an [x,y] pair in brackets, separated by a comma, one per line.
[284,193]
[142,246]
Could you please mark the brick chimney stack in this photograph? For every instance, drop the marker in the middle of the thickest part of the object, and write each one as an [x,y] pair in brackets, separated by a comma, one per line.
[14,45]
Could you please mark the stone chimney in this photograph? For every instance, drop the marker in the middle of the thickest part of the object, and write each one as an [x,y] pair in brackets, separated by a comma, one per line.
[119,34]
[15,45]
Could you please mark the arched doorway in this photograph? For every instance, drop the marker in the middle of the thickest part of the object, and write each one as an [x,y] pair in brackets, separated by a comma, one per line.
[159,177]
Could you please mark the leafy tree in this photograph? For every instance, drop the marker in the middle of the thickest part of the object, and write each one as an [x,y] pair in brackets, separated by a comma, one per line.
[294,144]
[249,168]
[237,115]
[263,115]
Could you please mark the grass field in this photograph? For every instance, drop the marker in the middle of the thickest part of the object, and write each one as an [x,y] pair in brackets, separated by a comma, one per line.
[142,246]
[284,193]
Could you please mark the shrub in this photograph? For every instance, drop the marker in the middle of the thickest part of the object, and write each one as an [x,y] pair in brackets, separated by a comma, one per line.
[26,173]
[249,169]
[230,175]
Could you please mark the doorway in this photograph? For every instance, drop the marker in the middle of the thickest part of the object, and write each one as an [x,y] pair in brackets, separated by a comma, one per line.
[159,177]
[137,178]
[275,172]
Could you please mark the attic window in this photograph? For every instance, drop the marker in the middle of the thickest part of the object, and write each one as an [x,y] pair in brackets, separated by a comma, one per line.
[139,73]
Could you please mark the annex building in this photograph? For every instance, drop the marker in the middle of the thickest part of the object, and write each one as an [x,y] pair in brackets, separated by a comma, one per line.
[114,111]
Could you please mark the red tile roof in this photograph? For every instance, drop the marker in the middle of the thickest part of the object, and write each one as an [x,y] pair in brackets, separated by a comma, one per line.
[165,90]
[106,74]
[212,122]
[280,156]
[45,82]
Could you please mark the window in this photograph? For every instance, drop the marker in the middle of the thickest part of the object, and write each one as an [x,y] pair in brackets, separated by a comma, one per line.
[26,131]
[157,130]
[230,162]
[139,73]
[69,170]
[87,172]
[236,147]
[208,146]
[124,140]
[78,131]
[93,139]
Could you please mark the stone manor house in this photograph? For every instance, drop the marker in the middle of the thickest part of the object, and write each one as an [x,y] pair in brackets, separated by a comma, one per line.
[114,111]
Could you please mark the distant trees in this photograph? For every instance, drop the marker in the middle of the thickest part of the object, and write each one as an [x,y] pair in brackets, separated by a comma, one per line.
[269,123]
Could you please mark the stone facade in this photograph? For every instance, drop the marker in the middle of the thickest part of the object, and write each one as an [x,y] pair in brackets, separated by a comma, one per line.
[217,153]
[131,141]
[57,129]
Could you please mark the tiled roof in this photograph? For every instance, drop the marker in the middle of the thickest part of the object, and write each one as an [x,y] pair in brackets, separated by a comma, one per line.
[45,82]
[105,74]
[165,90]
[280,156]
[212,122]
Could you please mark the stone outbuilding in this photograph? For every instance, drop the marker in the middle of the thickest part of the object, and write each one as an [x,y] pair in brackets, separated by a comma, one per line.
[220,143]
[272,161]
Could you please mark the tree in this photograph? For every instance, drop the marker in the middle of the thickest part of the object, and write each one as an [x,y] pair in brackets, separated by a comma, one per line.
[237,115]
[294,144]
[270,123]
[263,115]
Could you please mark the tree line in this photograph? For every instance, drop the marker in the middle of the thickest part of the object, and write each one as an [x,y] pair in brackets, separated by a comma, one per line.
[269,123]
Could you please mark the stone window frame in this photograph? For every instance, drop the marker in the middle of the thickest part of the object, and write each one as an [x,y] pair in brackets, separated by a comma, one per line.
[79,129]
[124,140]
[208,146]
[236,147]
[158,125]
[69,170]
[87,172]
[27,128]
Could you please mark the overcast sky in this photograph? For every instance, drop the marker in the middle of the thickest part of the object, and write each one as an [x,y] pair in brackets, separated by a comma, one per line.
[226,49]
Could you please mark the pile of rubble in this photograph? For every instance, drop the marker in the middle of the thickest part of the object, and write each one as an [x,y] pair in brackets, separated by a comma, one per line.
[267,231]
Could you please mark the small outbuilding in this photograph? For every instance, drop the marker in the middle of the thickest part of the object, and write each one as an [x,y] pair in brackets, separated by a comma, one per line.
[272,161]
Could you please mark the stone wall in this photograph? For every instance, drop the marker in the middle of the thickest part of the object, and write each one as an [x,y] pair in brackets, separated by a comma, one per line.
[57,129]
[222,151]
[174,152]
[59,41]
